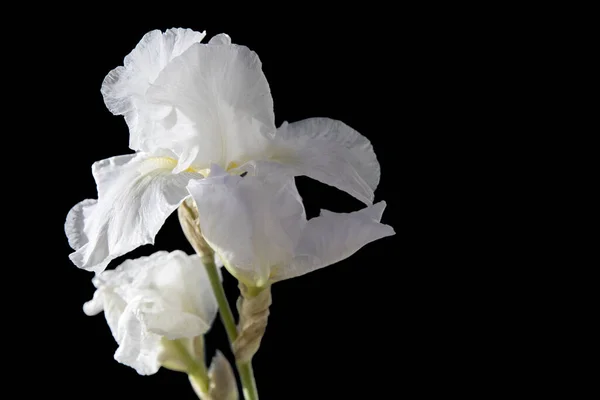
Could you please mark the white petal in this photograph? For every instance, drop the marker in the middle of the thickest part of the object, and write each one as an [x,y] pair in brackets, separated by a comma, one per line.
[333,237]
[164,317]
[184,304]
[113,288]
[96,305]
[124,87]
[138,348]
[114,307]
[112,304]
[135,198]
[74,224]
[173,292]
[222,109]
[220,39]
[199,289]
[106,171]
[254,223]
[125,273]
[165,295]
[331,152]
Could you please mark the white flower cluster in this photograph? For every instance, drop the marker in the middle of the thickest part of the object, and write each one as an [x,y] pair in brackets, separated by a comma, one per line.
[201,123]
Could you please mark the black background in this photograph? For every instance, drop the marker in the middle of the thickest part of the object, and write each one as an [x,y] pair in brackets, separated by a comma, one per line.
[456,101]
[362,328]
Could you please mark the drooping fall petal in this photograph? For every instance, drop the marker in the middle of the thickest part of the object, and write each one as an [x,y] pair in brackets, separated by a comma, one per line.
[333,237]
[136,195]
[328,151]
[258,226]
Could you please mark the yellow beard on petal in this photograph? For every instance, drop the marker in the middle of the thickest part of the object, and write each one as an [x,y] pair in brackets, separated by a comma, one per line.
[167,163]
[204,172]
[170,163]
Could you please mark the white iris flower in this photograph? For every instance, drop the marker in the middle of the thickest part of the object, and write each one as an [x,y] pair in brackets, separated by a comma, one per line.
[151,301]
[190,105]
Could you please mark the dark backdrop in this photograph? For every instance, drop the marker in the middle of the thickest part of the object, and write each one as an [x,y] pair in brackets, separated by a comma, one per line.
[441,309]
[351,330]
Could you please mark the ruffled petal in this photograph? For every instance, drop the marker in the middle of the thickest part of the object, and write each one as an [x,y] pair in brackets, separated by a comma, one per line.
[333,237]
[254,223]
[124,87]
[159,315]
[136,195]
[114,307]
[218,106]
[113,288]
[138,348]
[150,300]
[74,225]
[329,151]
[178,297]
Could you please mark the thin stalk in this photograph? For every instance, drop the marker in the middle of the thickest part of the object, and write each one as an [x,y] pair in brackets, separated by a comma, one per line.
[196,370]
[224,309]
[244,369]
[248,382]
[188,217]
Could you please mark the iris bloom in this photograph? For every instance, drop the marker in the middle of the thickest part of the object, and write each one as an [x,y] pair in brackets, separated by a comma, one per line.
[258,227]
[189,105]
[149,302]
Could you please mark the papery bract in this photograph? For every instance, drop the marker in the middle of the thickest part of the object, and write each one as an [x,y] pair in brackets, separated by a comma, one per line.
[258,226]
[165,296]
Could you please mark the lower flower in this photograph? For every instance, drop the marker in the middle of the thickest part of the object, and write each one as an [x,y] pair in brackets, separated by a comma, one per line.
[157,308]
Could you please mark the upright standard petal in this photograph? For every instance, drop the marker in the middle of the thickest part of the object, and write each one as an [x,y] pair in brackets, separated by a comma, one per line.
[333,237]
[253,223]
[136,195]
[329,151]
[124,87]
[217,103]
[148,300]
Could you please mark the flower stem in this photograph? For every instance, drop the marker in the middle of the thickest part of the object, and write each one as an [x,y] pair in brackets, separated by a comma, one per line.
[245,369]
[196,370]
[224,309]
[188,217]
[248,382]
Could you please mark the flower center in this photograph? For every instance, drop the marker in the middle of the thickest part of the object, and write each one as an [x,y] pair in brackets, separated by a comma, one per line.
[170,163]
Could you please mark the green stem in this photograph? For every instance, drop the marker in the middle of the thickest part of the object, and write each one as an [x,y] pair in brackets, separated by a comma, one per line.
[196,370]
[245,369]
[248,382]
[224,309]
